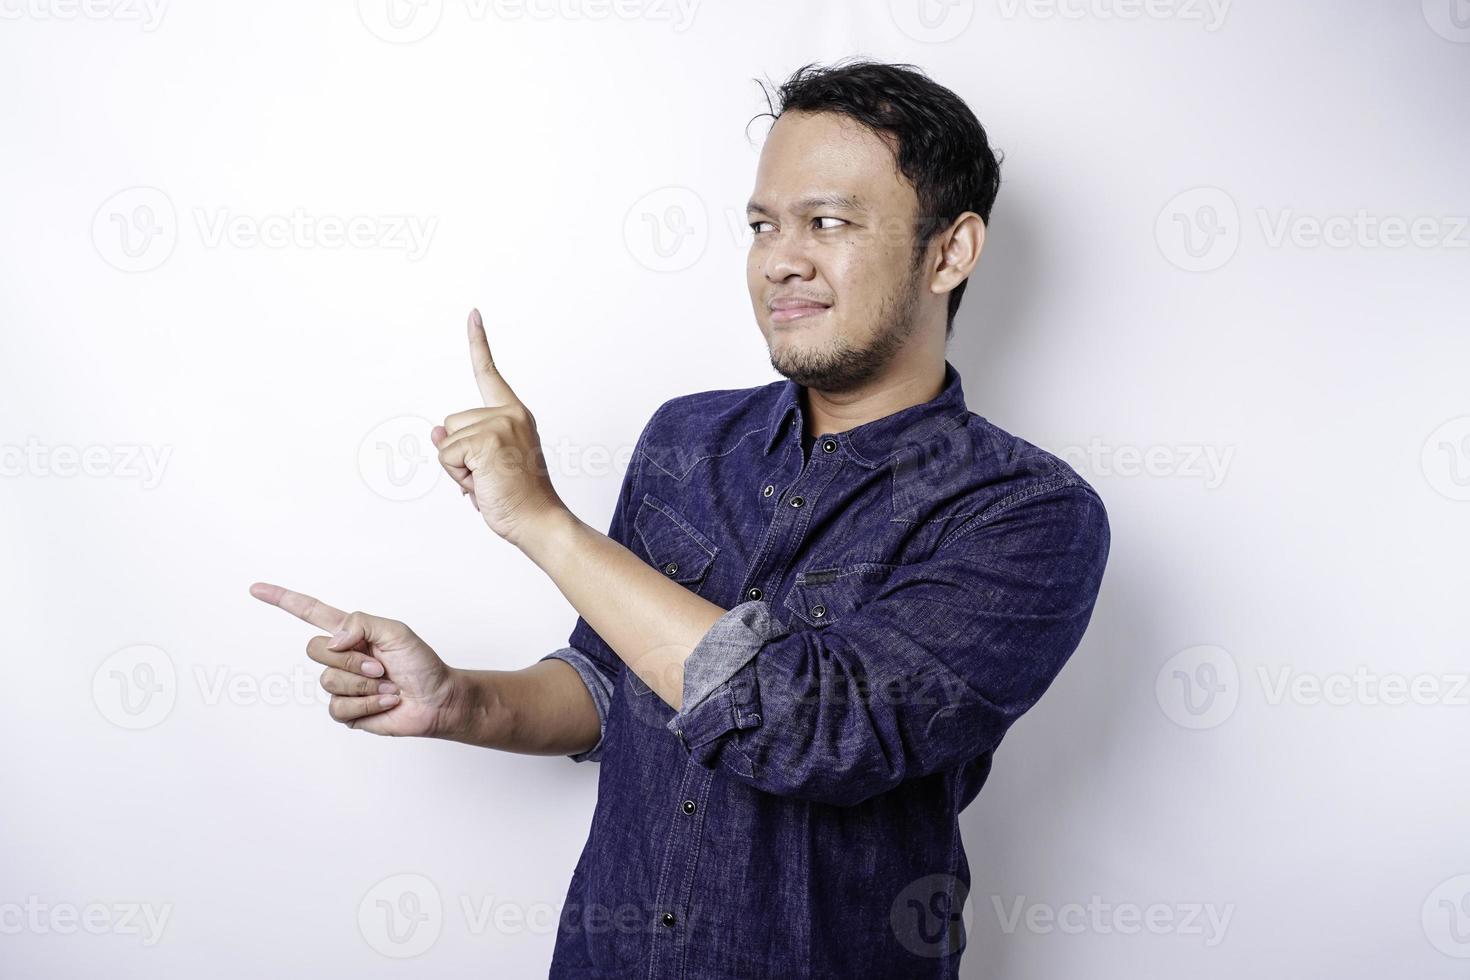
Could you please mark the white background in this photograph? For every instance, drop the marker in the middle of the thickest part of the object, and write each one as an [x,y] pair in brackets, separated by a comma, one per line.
[284,388]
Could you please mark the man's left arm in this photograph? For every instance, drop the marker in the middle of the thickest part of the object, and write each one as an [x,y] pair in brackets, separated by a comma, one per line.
[494,453]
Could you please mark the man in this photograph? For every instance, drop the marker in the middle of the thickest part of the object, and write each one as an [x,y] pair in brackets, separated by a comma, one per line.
[820,604]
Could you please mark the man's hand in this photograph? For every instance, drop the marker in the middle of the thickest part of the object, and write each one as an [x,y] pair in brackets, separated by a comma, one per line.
[494,453]
[382,677]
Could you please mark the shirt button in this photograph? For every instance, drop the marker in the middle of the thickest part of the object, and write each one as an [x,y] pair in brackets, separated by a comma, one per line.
[829,445]
[688,806]
[667,919]
[819,611]
[768,490]
[755,593]
[797,501]
[671,568]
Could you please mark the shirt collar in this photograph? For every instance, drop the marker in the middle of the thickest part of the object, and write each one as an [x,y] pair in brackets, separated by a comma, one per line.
[874,441]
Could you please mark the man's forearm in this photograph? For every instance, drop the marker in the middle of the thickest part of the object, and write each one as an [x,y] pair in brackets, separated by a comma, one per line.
[543,709]
[650,621]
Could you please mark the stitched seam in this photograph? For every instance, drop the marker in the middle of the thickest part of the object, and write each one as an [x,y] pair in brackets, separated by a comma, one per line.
[663,873]
[693,866]
[766,539]
[1063,483]
[938,429]
[682,522]
[680,477]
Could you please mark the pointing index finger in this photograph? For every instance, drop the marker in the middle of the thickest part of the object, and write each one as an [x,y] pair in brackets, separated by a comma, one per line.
[303,607]
[493,388]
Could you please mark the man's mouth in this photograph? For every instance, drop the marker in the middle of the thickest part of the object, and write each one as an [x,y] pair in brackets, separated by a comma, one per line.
[786,310]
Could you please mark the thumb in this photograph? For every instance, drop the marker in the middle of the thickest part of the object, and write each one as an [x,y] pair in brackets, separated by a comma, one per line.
[358,628]
[345,638]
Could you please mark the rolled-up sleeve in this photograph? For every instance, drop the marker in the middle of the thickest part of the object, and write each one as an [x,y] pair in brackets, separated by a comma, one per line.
[599,677]
[926,674]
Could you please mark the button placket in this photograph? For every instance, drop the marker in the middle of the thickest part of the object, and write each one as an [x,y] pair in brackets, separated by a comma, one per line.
[677,880]
[788,540]
[781,541]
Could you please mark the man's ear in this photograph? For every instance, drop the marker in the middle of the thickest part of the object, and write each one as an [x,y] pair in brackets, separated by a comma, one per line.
[959,250]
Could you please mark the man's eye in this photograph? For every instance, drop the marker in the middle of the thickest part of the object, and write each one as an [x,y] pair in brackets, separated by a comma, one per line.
[838,220]
[755,226]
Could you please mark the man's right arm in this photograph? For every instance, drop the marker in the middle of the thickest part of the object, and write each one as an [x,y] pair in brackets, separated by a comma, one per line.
[543,709]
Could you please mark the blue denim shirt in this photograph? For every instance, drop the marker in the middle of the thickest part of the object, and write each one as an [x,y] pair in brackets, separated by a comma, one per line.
[898,594]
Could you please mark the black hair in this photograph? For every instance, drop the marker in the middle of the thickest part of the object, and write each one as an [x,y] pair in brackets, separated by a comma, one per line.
[942,148]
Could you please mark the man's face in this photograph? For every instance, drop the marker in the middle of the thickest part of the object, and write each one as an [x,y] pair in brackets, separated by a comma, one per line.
[833,222]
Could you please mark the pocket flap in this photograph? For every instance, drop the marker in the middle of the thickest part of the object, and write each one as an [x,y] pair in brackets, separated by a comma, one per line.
[821,597]
[671,544]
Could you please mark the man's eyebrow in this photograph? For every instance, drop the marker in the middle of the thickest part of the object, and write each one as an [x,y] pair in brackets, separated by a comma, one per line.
[839,202]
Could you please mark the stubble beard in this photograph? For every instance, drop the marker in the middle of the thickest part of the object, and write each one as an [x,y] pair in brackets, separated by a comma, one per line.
[840,366]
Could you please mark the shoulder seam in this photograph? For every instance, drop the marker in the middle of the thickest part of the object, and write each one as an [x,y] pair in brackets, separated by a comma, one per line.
[979,520]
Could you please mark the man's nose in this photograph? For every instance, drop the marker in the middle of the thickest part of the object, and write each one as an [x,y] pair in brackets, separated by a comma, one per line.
[787,258]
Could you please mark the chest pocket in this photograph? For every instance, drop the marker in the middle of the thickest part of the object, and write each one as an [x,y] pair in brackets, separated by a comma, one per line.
[672,545]
[821,597]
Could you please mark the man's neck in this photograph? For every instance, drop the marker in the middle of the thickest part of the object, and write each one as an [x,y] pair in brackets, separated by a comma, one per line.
[894,391]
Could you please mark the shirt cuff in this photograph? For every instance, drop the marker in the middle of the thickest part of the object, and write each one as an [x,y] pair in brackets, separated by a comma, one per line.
[719,692]
[598,685]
